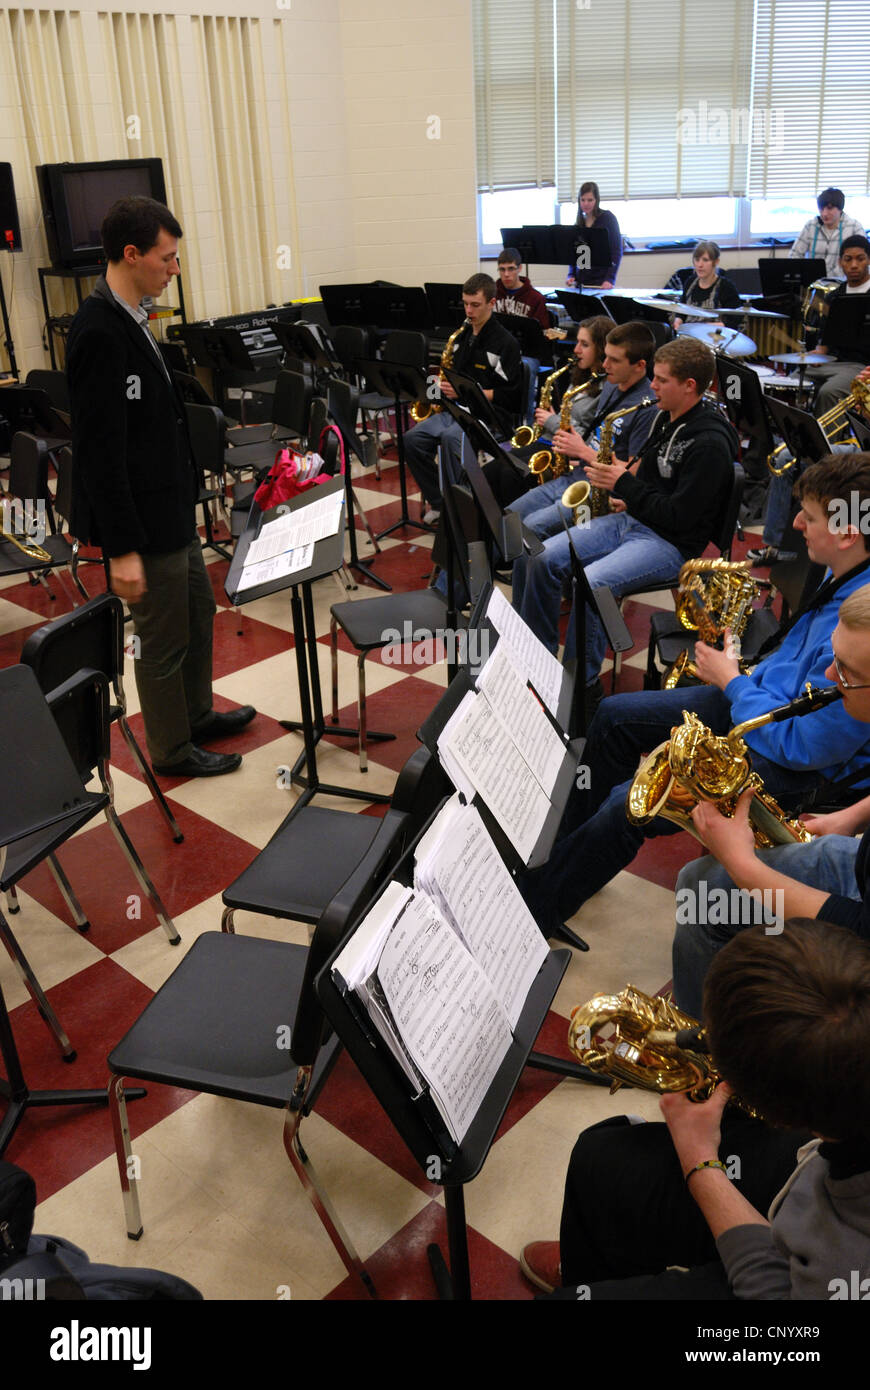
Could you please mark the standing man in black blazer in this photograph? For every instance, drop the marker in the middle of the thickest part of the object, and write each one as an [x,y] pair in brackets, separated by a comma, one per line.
[135,488]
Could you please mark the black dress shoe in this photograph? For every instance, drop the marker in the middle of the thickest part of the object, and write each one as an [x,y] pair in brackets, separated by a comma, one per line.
[200,764]
[222,725]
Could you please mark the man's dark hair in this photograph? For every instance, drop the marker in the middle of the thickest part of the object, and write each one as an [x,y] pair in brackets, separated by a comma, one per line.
[475,284]
[510,256]
[837,478]
[636,338]
[833,196]
[857,240]
[788,1021]
[135,222]
[688,357]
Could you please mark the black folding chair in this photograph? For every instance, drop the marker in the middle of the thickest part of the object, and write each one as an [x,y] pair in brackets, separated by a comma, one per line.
[93,636]
[220,1023]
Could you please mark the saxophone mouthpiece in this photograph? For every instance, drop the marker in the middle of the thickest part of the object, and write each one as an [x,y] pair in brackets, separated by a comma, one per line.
[805,704]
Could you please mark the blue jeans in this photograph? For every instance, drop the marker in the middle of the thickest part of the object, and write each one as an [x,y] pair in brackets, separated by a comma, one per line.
[421,446]
[596,838]
[780,496]
[540,508]
[828,864]
[615,550]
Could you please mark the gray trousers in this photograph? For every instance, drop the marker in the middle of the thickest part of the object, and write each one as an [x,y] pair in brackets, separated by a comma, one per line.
[174,625]
[835,379]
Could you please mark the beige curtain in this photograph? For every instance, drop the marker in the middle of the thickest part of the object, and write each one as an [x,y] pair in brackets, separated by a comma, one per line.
[207,95]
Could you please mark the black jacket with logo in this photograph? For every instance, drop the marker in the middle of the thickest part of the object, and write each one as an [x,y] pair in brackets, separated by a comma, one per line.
[493,360]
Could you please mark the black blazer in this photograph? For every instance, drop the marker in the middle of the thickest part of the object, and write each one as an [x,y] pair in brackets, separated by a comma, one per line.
[134,482]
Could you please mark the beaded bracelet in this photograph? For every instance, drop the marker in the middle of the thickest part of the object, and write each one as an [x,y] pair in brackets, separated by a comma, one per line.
[707,1163]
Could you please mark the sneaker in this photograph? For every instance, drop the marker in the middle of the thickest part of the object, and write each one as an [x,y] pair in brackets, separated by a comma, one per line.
[770,555]
[539,1262]
[432,517]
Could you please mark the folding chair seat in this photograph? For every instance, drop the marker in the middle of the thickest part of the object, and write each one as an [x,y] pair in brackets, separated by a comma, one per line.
[370,625]
[216,1025]
[92,636]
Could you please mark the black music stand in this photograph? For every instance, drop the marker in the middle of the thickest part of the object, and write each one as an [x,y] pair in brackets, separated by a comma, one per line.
[568,240]
[340,397]
[345,304]
[416,1118]
[511,537]
[29,408]
[534,243]
[328,556]
[801,431]
[788,276]
[581,304]
[403,382]
[298,340]
[446,306]
[471,396]
[618,636]
[398,308]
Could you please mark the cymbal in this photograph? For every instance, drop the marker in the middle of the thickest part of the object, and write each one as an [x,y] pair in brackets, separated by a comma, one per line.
[804,359]
[732,343]
[672,306]
[753,313]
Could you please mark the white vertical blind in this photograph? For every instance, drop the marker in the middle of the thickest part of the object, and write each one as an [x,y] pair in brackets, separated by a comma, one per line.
[653,100]
[514,96]
[812,74]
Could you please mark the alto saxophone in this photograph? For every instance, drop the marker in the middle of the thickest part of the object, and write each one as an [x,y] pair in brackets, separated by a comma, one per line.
[421,410]
[697,765]
[596,500]
[547,461]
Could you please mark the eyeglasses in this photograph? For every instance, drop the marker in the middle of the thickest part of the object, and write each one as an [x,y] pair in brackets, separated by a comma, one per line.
[848,685]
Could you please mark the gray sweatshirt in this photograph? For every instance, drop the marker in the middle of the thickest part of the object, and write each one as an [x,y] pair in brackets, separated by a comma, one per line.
[818,1243]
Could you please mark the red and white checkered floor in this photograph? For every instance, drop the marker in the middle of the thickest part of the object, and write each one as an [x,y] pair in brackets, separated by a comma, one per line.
[221,1205]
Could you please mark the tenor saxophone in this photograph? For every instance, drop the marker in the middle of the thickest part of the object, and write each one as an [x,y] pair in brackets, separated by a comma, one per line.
[421,410]
[595,501]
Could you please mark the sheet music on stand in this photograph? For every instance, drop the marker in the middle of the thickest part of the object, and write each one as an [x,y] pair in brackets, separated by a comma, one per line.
[285,545]
[443,968]
[500,743]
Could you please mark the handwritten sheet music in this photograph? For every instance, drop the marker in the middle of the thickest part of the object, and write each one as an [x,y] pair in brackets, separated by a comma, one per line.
[521,714]
[530,654]
[477,743]
[446,1010]
[459,867]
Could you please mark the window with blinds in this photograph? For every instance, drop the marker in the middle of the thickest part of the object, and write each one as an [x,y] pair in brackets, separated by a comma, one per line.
[514,94]
[684,98]
[652,101]
[811,75]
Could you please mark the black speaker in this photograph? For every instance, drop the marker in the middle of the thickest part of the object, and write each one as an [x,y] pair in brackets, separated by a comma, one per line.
[10,232]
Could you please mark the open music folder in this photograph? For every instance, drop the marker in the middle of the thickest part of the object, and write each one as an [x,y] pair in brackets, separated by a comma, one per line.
[444,968]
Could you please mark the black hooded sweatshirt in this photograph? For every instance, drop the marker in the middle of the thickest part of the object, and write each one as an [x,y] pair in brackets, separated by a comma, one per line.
[685,478]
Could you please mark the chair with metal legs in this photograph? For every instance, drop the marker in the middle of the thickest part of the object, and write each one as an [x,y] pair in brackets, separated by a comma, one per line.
[93,636]
[239,1018]
[80,710]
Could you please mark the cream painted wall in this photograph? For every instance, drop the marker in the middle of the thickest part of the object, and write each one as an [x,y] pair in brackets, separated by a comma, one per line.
[375,196]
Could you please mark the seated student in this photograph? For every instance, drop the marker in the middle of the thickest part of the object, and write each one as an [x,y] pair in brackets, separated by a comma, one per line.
[628,349]
[489,354]
[827,878]
[835,382]
[590,213]
[514,293]
[704,286]
[835,378]
[509,476]
[788,1024]
[665,508]
[792,758]
[823,236]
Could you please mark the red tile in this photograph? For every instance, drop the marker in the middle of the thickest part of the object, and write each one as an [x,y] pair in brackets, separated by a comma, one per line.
[185,874]
[400,1270]
[661,858]
[58,1144]
[400,709]
[240,641]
